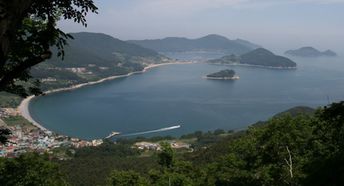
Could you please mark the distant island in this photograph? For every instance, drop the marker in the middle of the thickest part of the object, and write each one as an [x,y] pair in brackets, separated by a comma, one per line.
[209,43]
[223,75]
[258,57]
[310,52]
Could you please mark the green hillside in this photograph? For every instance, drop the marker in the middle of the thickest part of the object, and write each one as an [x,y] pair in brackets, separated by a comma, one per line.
[257,57]
[209,43]
[92,56]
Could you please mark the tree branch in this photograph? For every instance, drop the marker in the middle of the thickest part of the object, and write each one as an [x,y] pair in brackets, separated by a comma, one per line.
[289,162]
[12,14]
[28,63]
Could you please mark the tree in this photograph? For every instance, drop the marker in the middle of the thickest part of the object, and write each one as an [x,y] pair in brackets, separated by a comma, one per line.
[166,156]
[327,163]
[30,169]
[272,154]
[127,178]
[4,133]
[27,32]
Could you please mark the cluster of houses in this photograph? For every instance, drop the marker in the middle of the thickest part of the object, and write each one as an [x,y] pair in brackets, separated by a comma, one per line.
[157,147]
[6,112]
[24,140]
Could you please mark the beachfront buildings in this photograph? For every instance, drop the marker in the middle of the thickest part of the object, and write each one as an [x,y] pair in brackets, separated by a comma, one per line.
[23,140]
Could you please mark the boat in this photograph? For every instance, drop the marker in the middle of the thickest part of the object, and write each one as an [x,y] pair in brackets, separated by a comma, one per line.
[113,134]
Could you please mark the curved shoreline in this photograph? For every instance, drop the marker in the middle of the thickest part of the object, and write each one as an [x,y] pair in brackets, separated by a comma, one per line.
[24,111]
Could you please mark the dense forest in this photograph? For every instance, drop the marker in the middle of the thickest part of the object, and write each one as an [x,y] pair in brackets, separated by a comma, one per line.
[289,149]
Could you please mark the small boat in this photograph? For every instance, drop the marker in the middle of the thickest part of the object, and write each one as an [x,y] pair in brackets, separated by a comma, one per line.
[113,134]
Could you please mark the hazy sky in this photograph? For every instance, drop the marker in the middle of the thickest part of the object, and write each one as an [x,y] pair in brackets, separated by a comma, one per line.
[274,24]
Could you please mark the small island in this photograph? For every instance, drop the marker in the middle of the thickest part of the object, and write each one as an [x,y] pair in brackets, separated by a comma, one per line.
[310,52]
[223,75]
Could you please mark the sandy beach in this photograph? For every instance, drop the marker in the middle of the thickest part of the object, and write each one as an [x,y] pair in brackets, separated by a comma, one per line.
[23,108]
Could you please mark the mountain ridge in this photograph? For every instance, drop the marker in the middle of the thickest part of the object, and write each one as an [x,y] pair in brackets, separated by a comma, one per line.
[211,42]
[93,56]
[258,57]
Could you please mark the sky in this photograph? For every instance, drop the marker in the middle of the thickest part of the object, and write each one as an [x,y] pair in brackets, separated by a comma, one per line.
[277,25]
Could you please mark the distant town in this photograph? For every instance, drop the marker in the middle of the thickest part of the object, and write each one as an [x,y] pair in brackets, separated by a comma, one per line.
[32,139]
[28,138]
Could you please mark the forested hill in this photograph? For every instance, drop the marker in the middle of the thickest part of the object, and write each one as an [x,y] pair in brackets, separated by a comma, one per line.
[209,43]
[106,46]
[257,57]
[265,57]
[97,48]
[92,56]
[310,52]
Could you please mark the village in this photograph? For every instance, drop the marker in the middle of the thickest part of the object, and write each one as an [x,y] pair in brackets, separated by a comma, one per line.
[25,138]
[28,138]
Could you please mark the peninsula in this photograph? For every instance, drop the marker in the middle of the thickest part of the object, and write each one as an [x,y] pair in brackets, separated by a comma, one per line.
[223,75]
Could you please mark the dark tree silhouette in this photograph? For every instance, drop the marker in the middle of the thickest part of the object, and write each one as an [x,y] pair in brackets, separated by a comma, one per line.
[4,133]
[27,31]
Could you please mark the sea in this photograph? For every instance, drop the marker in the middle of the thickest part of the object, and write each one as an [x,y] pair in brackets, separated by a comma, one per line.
[176,100]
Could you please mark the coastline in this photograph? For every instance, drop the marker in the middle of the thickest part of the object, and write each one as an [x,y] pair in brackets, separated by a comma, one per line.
[23,108]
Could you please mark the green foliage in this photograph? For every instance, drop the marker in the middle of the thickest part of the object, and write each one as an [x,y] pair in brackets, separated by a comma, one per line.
[260,157]
[8,100]
[30,169]
[166,156]
[301,110]
[222,74]
[98,55]
[260,57]
[127,178]
[108,148]
[327,163]
[18,120]
[173,179]
[4,134]
[92,165]
[32,28]
[286,150]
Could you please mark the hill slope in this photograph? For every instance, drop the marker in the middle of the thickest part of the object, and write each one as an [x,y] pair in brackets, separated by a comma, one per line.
[92,56]
[257,57]
[208,43]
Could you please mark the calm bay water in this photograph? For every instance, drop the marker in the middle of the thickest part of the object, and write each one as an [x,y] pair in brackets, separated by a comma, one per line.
[177,94]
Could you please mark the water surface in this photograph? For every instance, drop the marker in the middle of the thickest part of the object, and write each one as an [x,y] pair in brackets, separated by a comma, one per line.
[178,95]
